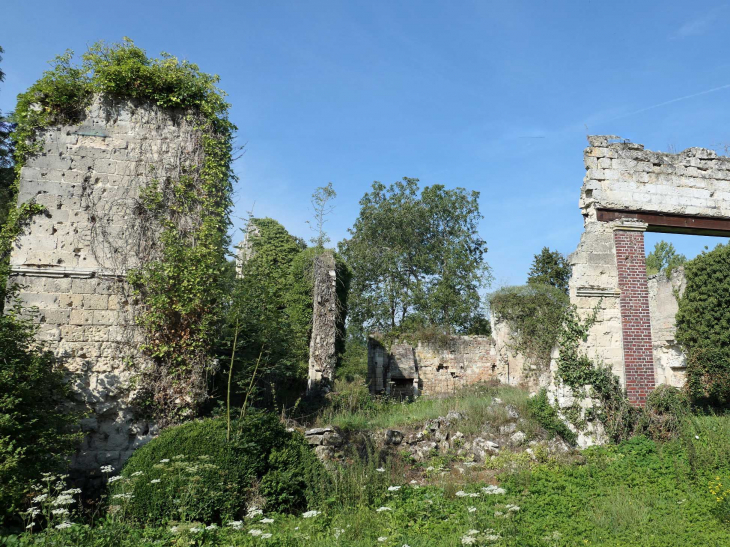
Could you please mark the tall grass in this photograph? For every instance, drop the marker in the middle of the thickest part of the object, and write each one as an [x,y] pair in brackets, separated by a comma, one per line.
[354,409]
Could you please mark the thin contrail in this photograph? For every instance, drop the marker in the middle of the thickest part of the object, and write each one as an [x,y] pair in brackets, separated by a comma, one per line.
[672,101]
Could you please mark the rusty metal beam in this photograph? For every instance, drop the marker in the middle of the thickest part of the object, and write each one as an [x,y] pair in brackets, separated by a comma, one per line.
[673,224]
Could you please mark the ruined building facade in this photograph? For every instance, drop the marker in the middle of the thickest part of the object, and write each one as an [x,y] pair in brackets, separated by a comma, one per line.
[71,262]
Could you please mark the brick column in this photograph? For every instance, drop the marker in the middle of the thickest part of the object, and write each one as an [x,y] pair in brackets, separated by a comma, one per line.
[635,316]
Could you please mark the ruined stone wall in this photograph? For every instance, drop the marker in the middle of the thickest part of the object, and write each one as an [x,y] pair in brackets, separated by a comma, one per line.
[622,176]
[669,359]
[443,367]
[71,262]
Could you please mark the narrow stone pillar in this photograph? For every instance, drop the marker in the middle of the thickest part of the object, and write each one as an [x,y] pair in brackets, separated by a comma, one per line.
[635,314]
[322,351]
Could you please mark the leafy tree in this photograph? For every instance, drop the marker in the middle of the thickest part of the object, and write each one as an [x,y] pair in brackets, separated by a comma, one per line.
[6,161]
[417,259]
[663,259]
[36,422]
[703,325]
[550,268]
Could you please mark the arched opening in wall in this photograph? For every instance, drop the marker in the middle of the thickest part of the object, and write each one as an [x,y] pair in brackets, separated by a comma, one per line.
[666,254]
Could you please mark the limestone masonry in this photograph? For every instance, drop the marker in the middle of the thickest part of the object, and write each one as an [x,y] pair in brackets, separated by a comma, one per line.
[71,261]
[628,190]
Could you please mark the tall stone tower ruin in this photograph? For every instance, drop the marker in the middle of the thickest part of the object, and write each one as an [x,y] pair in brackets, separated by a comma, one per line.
[71,262]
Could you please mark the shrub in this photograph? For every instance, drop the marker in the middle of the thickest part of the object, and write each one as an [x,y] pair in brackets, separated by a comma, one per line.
[534,314]
[703,326]
[35,423]
[192,472]
[708,376]
[662,416]
[546,415]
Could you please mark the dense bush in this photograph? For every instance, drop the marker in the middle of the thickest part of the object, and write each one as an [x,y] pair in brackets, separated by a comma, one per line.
[534,314]
[36,432]
[190,472]
[703,326]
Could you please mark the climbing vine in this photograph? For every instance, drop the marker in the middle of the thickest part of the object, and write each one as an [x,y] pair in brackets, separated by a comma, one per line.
[589,379]
[179,285]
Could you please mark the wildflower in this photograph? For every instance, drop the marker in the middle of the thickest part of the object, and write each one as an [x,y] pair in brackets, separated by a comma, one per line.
[266,521]
[123,496]
[339,532]
[173,529]
[498,514]
[211,527]
[137,473]
[492,537]
[697,437]
[380,470]
[255,532]
[72,491]
[166,460]
[30,525]
[33,511]
[382,539]
[414,481]
[471,509]
[265,536]
[63,499]
[512,508]
[60,512]
[155,481]
[236,524]
[115,479]
[254,512]
[381,509]
[107,469]
[493,490]
[65,524]
[472,532]
[393,488]
[468,540]
[40,498]
[461,494]
[196,530]
[310,514]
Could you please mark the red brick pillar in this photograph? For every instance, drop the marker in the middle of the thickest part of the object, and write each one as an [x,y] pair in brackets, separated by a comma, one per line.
[635,316]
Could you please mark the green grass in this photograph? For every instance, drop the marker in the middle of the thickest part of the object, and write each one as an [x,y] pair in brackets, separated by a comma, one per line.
[639,493]
[363,413]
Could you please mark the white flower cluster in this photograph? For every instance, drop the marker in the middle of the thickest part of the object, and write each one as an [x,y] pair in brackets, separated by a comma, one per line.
[393,488]
[107,469]
[254,512]
[266,521]
[137,473]
[381,509]
[493,490]
[115,479]
[236,524]
[64,525]
[63,499]
[310,514]
[462,494]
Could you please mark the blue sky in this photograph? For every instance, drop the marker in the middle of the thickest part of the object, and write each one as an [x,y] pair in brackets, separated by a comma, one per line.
[492,96]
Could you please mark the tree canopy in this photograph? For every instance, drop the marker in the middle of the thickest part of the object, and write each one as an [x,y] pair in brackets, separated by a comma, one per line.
[417,259]
[663,259]
[550,268]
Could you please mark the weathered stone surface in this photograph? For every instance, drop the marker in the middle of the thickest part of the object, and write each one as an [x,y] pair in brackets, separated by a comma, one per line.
[322,354]
[393,437]
[72,261]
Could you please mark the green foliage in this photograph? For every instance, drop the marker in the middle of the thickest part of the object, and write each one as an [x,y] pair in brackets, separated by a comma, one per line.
[666,409]
[546,415]
[639,493]
[180,290]
[417,259]
[703,326]
[587,378]
[663,259]
[36,416]
[207,479]
[271,303]
[534,314]
[550,268]
[320,203]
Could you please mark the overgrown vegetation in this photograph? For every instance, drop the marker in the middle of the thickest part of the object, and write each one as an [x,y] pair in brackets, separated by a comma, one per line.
[534,314]
[703,326]
[38,425]
[191,473]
